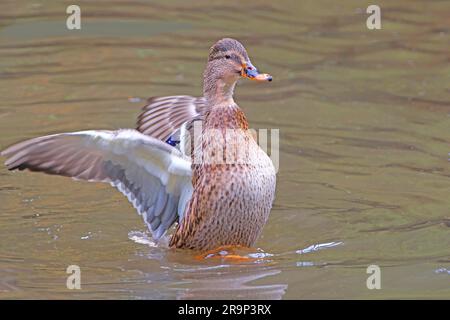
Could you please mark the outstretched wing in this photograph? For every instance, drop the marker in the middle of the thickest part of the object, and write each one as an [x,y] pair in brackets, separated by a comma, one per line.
[163,116]
[155,177]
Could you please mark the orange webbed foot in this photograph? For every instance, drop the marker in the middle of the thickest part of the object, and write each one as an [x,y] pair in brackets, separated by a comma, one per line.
[228,253]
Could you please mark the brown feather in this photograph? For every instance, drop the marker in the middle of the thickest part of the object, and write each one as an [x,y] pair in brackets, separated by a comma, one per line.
[163,116]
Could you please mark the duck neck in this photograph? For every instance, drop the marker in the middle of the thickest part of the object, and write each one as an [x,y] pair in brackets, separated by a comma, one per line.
[218,91]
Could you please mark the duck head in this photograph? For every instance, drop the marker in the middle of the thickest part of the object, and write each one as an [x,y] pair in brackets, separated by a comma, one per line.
[228,61]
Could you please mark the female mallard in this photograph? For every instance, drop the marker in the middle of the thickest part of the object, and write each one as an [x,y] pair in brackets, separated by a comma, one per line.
[218,196]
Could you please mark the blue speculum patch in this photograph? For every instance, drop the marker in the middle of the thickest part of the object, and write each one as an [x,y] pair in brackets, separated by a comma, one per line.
[173,143]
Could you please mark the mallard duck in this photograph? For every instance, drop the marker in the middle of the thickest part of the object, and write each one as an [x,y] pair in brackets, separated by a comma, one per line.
[216,201]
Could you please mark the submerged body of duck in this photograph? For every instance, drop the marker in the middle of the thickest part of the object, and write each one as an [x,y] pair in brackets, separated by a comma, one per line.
[218,198]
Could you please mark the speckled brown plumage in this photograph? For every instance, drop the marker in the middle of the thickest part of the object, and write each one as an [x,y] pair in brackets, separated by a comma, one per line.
[231,202]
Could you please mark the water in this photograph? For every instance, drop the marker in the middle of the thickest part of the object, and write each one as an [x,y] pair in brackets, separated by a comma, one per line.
[364,119]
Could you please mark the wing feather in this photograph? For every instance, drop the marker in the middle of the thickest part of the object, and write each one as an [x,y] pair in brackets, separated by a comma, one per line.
[150,173]
[163,116]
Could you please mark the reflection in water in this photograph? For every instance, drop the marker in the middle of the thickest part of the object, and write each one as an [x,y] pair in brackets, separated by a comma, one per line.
[229,282]
[212,278]
[8,282]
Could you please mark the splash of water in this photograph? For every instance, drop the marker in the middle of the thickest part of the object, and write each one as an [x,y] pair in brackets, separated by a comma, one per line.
[319,246]
[141,238]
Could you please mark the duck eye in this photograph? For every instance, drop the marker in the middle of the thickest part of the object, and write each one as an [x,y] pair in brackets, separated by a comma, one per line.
[227,56]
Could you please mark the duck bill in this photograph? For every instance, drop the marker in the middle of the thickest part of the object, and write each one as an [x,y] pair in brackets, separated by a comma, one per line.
[249,71]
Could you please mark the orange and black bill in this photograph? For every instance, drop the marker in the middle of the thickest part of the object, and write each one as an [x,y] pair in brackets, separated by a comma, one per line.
[250,71]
